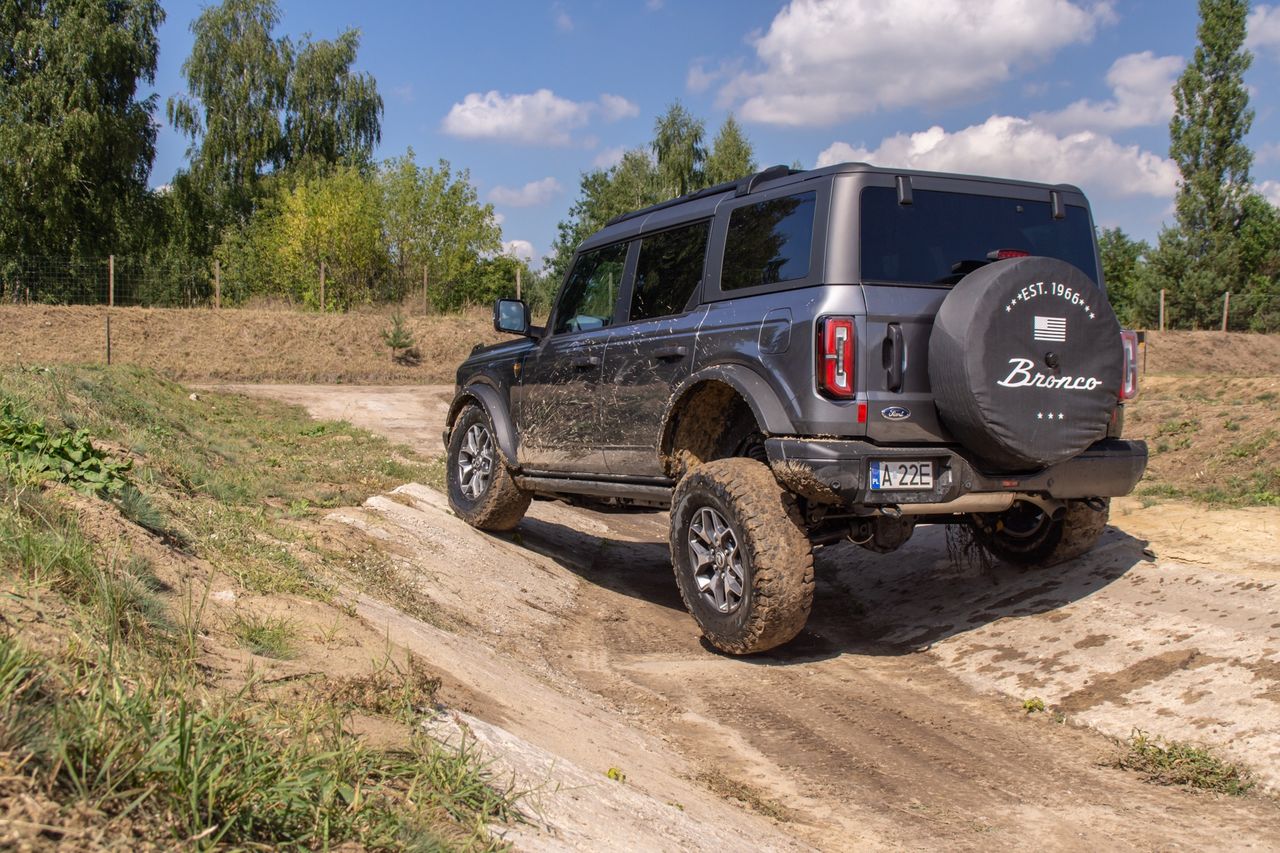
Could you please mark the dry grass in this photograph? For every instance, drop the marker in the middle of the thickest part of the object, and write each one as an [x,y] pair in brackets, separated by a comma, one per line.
[243,345]
[732,789]
[1210,438]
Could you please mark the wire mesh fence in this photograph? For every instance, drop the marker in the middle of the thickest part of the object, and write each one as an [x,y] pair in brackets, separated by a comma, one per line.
[113,280]
[147,282]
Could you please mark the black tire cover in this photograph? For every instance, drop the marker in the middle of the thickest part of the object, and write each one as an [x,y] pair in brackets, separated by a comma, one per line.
[1025,362]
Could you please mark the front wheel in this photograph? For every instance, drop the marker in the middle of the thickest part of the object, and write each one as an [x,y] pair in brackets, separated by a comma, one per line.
[1025,534]
[742,559]
[481,489]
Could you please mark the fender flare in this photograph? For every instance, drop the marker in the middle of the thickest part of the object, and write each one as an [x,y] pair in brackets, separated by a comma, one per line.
[491,401]
[751,386]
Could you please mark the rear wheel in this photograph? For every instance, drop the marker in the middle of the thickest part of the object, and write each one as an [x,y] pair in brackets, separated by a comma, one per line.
[742,559]
[481,489]
[1027,535]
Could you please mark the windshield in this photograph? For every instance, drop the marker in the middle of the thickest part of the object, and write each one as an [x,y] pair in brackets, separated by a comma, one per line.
[942,236]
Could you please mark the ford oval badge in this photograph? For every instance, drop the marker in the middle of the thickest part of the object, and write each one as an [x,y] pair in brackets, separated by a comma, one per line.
[895,413]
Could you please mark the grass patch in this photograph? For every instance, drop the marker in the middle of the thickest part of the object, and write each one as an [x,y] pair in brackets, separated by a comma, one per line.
[731,789]
[228,772]
[1178,763]
[224,475]
[114,720]
[268,636]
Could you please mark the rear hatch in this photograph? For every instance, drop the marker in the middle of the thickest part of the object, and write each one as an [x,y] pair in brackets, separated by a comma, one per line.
[914,245]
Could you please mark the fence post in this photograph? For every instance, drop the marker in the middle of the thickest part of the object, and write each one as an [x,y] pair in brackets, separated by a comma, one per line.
[217,283]
[517,282]
[1162,309]
[322,308]
[426,301]
[1226,305]
[111,280]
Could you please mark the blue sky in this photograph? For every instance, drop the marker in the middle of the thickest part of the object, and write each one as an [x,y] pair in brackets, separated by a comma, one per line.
[528,95]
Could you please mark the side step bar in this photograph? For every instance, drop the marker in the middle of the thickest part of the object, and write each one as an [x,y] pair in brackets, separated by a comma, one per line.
[633,492]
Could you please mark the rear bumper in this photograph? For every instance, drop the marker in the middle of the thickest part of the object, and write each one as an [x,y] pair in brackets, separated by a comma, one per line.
[836,471]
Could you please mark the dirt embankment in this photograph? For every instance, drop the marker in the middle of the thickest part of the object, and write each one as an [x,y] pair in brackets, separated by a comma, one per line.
[242,345]
[247,345]
[1212,354]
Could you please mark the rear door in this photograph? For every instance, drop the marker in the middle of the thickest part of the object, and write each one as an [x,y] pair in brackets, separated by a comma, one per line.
[559,411]
[652,351]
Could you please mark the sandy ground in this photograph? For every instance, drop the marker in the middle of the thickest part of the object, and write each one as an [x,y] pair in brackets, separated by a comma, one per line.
[409,414]
[893,721]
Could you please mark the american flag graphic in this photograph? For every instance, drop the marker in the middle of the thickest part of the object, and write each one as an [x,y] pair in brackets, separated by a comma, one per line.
[1050,329]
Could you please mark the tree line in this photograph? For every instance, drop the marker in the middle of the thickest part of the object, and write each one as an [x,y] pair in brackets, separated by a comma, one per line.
[1225,236]
[281,182]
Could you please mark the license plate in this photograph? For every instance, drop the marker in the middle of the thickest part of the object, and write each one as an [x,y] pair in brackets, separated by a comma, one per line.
[913,474]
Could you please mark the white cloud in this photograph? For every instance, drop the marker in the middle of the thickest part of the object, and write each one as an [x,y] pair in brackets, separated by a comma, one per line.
[404,93]
[1010,147]
[609,157]
[1264,30]
[531,194]
[824,61]
[564,23]
[498,218]
[1268,152]
[540,117]
[1270,191]
[1142,95]
[521,249]
[615,107]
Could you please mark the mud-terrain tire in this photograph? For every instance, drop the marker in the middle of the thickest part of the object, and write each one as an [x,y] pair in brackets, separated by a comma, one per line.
[1024,535]
[1025,362]
[734,508]
[481,489]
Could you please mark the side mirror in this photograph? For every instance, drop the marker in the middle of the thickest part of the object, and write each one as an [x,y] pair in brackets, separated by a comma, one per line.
[511,316]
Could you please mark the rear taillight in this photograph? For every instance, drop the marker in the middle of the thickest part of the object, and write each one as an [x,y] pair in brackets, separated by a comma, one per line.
[1129,384]
[835,341]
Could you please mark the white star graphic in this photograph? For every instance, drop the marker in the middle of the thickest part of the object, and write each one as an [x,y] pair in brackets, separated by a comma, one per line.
[1039,416]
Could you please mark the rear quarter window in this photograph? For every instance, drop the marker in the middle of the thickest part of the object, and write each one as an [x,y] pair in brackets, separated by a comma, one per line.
[769,242]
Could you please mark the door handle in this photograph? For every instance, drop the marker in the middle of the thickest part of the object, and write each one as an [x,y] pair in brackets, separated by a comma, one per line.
[895,357]
[585,362]
[670,353]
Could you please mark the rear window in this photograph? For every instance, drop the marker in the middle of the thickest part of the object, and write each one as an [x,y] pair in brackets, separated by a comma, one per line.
[942,236]
[769,242]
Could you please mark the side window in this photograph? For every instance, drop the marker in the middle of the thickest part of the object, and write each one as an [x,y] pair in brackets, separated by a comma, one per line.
[669,270]
[769,242]
[592,290]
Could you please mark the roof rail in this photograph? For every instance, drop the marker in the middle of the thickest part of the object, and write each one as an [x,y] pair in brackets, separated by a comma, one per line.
[742,186]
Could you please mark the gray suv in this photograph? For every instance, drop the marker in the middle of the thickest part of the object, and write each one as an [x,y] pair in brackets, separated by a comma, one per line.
[798,358]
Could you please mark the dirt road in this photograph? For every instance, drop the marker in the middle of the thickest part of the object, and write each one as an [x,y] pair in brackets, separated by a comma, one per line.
[895,719]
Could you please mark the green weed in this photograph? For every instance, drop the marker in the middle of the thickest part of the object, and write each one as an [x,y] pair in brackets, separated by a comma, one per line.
[1178,763]
[31,454]
[268,636]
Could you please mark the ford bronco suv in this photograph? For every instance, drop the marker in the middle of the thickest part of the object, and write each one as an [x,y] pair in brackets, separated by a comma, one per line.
[802,357]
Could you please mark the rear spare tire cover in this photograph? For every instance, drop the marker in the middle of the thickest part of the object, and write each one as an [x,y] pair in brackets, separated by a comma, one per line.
[1025,361]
